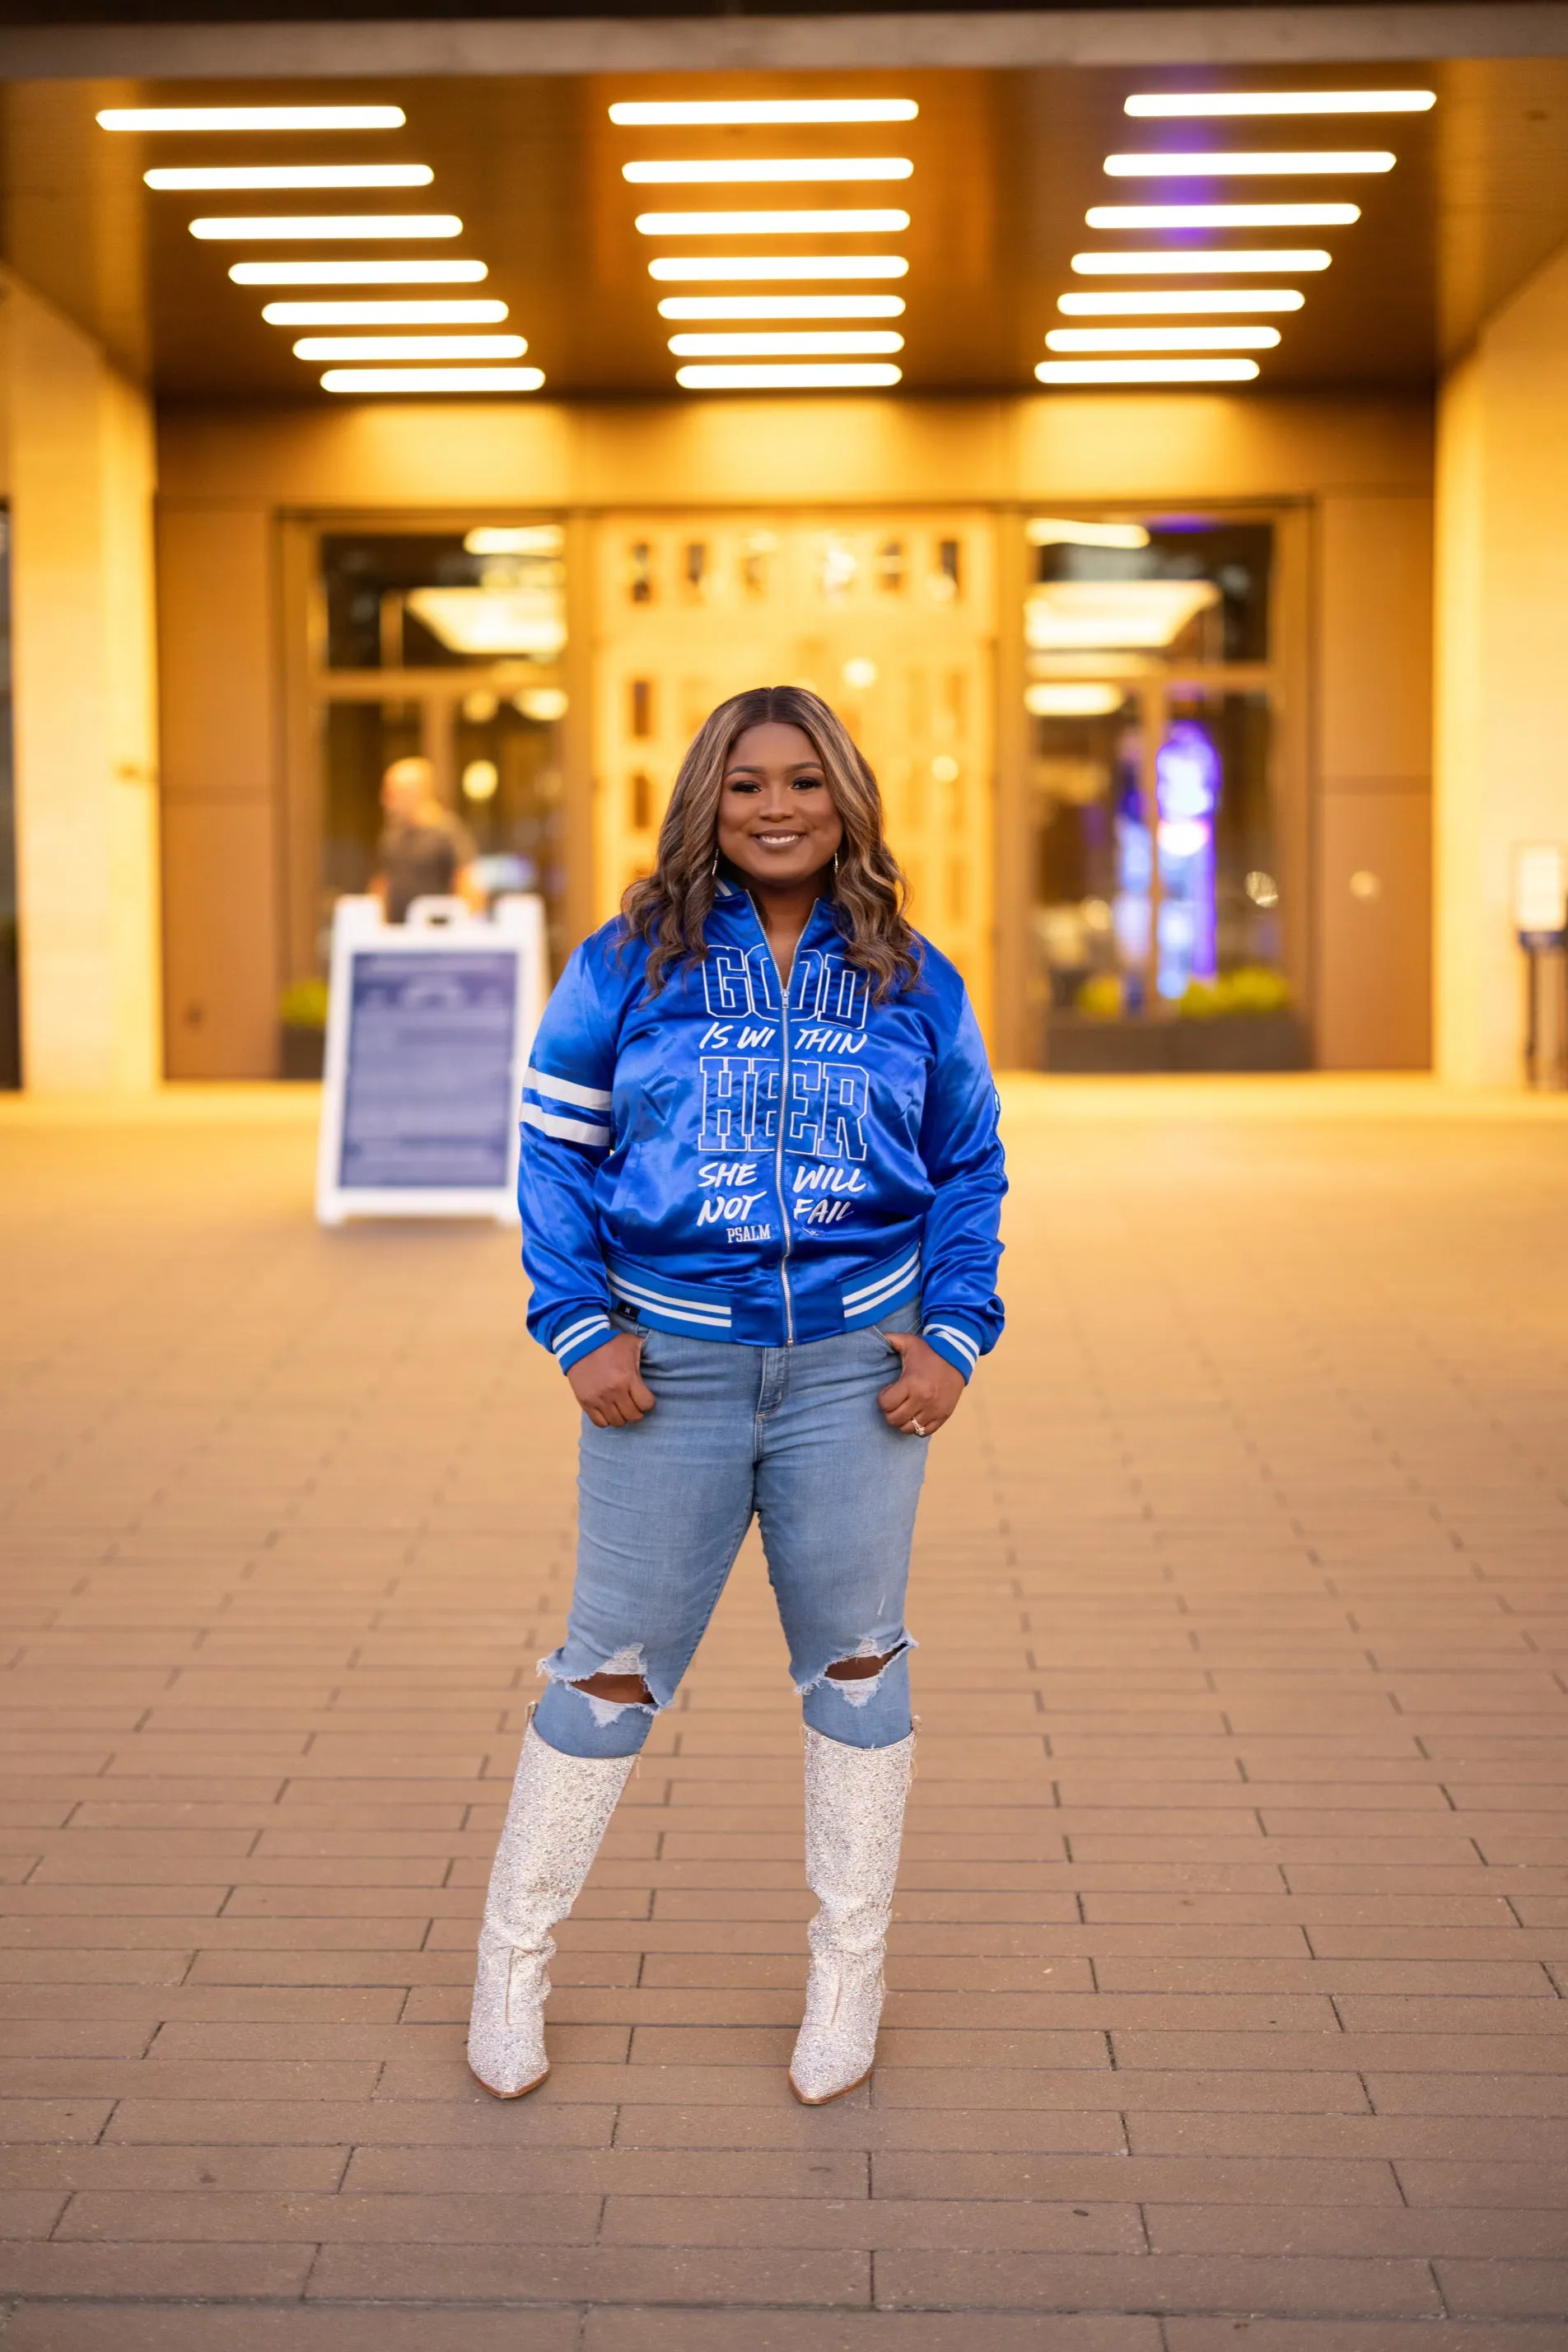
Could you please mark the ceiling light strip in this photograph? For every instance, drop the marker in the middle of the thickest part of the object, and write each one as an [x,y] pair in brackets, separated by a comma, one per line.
[1202,260]
[646,113]
[433,379]
[721,267]
[1209,164]
[1126,216]
[410,347]
[1146,371]
[1182,301]
[869,222]
[785,346]
[1168,103]
[264,227]
[290,176]
[358,273]
[822,375]
[252,118]
[384,314]
[770,168]
[1163,338]
[782,305]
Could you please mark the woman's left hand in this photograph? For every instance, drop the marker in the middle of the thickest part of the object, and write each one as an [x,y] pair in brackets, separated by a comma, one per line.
[927,1392]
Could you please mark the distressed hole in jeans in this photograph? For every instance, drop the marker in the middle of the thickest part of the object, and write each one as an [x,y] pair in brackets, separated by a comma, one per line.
[620,1684]
[863,1671]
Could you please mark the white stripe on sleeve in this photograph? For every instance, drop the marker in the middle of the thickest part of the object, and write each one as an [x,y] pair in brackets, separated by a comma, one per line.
[959,1339]
[590,1323]
[570,1130]
[566,1090]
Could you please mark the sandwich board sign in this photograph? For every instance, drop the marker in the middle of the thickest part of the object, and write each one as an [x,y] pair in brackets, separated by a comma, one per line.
[428,1028]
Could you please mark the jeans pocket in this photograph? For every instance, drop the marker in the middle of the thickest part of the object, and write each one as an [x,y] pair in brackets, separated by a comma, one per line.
[904,1320]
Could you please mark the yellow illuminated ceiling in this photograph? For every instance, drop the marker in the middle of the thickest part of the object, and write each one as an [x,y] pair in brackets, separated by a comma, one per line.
[1003,169]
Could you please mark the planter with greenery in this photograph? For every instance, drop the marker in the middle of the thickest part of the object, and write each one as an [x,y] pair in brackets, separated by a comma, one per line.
[1240,1021]
[302,1029]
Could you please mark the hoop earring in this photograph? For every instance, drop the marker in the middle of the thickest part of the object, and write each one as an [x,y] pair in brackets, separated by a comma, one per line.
[713,869]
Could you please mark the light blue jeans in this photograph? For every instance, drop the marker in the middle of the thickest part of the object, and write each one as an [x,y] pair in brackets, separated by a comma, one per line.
[792,1435]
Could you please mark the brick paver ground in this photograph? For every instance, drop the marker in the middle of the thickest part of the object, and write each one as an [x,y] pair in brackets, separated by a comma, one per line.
[1228,1967]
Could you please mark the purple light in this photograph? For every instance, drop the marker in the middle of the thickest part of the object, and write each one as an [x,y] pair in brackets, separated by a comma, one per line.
[1187,772]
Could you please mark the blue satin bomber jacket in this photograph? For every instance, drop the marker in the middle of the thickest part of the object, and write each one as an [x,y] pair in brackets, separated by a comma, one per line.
[708,1161]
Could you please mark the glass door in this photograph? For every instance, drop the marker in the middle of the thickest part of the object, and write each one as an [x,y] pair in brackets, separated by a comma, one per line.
[1157,845]
[438,654]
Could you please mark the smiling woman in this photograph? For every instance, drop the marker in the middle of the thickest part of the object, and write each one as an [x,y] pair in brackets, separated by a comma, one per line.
[759,1186]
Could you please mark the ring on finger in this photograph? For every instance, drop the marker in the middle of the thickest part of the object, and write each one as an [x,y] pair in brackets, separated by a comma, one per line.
[919,1428]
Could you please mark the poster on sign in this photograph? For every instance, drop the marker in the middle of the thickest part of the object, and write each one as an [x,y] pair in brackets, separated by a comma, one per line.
[429,1027]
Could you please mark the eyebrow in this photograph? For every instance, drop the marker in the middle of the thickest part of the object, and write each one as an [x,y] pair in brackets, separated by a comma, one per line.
[754,768]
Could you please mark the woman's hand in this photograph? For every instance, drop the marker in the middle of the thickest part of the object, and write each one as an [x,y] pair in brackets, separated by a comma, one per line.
[609,1385]
[925,1394]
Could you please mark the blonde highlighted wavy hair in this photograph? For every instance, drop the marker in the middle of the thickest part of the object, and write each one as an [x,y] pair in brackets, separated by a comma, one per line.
[671,907]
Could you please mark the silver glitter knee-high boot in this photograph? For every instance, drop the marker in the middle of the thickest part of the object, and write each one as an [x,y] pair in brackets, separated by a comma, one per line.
[560,1809]
[854,1819]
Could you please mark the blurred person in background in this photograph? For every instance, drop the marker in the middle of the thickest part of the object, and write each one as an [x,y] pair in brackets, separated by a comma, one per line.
[760,1185]
[425,852]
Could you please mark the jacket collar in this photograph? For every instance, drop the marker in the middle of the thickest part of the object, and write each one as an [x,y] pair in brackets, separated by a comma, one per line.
[734,913]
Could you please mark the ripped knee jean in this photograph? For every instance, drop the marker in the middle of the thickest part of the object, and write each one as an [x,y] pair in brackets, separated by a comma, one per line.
[792,1436]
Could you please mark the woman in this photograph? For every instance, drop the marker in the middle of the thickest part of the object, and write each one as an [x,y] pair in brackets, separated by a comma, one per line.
[760,1185]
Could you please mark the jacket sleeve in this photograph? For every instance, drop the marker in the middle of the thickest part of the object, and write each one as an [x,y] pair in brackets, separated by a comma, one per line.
[565,1137]
[961,1315]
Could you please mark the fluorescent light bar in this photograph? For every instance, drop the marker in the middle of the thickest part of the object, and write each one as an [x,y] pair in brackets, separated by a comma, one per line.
[1121,216]
[1163,338]
[1198,261]
[646,113]
[774,167]
[1168,102]
[821,375]
[1071,700]
[782,305]
[265,227]
[358,273]
[845,224]
[410,347]
[432,379]
[514,539]
[1146,371]
[716,268]
[252,118]
[291,175]
[383,314]
[761,347]
[1148,301]
[1063,530]
[1209,164]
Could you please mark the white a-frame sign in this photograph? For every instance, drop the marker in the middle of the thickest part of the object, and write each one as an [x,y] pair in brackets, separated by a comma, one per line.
[429,1030]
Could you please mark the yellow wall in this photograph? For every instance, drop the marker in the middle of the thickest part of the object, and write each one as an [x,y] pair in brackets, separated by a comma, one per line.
[1372,807]
[1502,627]
[1361,468]
[80,468]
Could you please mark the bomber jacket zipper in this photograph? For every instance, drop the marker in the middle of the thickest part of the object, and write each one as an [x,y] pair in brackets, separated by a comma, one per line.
[779,1135]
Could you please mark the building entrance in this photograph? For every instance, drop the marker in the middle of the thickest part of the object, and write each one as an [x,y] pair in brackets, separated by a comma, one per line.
[892,618]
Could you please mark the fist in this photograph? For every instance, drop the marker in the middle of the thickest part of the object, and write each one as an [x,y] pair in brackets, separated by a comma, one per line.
[608,1384]
[927,1391]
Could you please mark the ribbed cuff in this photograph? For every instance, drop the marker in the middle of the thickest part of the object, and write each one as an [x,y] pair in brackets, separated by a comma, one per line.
[955,1339]
[579,1335]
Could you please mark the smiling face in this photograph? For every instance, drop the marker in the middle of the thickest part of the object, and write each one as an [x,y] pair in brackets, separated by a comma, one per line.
[777,824]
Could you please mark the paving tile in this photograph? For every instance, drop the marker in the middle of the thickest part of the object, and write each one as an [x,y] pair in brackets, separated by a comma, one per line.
[1229,1977]
[180,2327]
